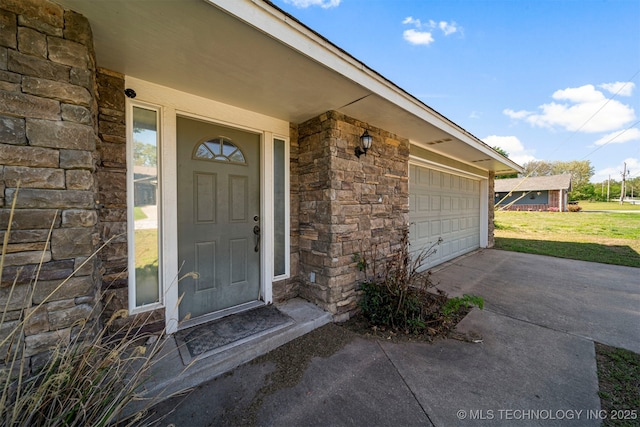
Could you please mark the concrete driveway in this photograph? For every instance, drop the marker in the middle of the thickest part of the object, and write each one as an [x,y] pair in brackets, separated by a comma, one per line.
[535,365]
[599,302]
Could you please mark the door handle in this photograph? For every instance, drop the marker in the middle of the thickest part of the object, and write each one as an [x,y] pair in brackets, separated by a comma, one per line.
[256,232]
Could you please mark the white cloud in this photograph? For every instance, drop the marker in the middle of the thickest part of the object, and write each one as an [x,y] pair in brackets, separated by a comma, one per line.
[582,94]
[633,165]
[516,114]
[513,146]
[418,37]
[425,37]
[448,27]
[584,108]
[620,88]
[475,115]
[412,21]
[325,4]
[620,137]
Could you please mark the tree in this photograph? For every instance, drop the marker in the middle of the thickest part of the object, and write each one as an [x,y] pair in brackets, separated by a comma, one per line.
[537,168]
[504,153]
[501,151]
[581,172]
[145,154]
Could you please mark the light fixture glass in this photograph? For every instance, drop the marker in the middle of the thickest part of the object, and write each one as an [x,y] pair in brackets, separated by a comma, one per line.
[365,144]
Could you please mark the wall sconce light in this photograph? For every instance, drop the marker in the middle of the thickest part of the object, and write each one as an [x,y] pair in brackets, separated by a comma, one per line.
[539,193]
[365,144]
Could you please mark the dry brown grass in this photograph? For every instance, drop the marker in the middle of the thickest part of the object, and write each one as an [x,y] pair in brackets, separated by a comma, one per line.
[85,382]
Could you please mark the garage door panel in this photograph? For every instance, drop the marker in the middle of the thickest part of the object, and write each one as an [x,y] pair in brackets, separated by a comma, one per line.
[423,203]
[436,230]
[422,177]
[446,249]
[424,229]
[444,206]
[455,203]
[455,182]
[435,203]
[435,179]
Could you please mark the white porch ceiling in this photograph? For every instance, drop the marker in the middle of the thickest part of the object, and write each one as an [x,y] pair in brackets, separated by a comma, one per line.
[286,71]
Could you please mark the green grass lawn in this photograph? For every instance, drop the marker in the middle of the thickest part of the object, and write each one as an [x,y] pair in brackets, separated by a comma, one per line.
[138,213]
[619,384]
[607,206]
[611,237]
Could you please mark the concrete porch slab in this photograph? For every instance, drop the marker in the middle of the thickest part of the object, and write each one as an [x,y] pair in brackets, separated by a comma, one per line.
[169,375]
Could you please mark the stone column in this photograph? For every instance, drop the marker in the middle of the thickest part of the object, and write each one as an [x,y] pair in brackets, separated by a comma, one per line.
[48,138]
[347,205]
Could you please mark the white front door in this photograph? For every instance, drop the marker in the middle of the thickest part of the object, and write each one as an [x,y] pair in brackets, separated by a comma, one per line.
[218,216]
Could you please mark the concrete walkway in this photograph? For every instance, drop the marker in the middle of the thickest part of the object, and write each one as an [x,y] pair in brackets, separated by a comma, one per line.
[535,365]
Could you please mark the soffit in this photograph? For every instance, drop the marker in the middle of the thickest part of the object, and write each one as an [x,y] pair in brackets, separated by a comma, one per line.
[196,47]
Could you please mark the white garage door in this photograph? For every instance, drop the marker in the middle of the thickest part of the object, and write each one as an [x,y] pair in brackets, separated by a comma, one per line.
[443,205]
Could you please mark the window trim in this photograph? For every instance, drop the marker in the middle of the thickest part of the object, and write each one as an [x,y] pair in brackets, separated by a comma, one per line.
[133,308]
[287,208]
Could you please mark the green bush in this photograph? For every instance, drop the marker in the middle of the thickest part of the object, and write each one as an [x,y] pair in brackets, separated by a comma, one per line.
[453,305]
[404,298]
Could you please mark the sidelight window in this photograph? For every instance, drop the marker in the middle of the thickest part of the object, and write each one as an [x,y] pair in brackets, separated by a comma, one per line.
[144,207]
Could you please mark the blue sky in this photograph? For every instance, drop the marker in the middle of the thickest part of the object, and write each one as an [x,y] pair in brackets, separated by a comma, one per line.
[544,80]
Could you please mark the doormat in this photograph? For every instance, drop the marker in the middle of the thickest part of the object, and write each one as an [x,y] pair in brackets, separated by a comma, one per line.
[218,335]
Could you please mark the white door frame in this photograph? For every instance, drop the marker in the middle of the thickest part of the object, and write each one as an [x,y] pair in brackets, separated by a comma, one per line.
[175,103]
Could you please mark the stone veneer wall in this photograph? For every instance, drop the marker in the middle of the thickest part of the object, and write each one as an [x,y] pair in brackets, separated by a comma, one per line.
[112,189]
[48,133]
[112,193]
[347,205]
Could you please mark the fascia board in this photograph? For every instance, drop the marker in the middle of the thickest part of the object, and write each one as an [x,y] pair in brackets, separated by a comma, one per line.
[282,27]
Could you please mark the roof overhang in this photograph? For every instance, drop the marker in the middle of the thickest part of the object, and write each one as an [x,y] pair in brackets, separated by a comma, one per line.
[252,55]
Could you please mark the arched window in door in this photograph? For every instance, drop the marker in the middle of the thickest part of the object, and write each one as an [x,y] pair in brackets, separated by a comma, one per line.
[219,149]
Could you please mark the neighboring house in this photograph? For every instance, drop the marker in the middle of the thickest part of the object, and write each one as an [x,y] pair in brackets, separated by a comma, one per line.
[537,193]
[145,185]
[246,122]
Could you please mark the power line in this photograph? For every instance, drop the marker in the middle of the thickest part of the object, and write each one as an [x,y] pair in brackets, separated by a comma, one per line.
[610,140]
[576,131]
[605,104]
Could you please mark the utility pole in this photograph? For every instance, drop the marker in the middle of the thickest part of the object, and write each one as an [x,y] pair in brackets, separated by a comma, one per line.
[608,187]
[624,177]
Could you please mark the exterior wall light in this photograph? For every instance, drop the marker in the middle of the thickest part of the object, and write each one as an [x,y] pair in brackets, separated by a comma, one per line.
[365,144]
